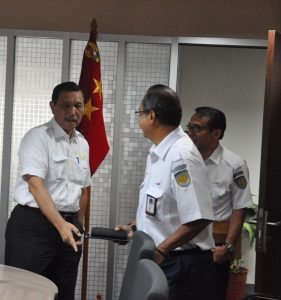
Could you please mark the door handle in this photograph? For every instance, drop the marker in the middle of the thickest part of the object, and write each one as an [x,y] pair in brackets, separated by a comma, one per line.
[262,226]
[276,224]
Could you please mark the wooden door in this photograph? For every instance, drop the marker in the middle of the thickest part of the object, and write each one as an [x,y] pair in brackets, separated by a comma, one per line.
[268,246]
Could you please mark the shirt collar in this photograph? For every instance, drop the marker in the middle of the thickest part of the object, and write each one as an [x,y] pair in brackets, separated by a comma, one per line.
[161,149]
[59,132]
[216,155]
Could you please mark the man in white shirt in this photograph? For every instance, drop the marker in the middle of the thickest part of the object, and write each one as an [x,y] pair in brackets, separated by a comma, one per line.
[230,189]
[175,206]
[51,195]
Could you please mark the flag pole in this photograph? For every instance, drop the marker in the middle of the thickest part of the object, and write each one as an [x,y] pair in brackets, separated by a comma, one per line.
[86,248]
[92,126]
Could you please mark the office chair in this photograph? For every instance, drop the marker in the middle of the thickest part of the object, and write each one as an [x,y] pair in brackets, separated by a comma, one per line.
[149,282]
[142,247]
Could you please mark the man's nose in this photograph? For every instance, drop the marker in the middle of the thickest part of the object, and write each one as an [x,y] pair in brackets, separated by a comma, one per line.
[73,110]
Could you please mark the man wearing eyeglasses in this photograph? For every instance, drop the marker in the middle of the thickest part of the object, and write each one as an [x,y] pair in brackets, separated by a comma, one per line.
[229,182]
[175,206]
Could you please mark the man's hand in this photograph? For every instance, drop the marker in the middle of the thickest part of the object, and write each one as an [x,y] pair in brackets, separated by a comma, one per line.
[158,256]
[221,254]
[68,232]
[47,206]
[126,228]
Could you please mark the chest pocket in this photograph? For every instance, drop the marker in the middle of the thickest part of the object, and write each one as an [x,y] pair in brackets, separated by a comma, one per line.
[217,190]
[220,193]
[79,171]
[154,202]
[58,166]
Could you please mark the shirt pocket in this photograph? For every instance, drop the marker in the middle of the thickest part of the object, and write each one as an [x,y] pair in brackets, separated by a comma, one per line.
[220,194]
[58,166]
[157,194]
[217,190]
[79,172]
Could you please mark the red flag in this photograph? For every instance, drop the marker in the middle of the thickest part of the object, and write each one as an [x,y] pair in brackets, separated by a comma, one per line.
[92,124]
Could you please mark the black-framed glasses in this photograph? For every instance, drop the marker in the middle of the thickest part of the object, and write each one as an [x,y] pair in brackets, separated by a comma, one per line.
[195,128]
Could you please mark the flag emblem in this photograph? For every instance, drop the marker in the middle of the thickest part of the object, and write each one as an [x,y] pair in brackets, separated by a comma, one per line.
[92,52]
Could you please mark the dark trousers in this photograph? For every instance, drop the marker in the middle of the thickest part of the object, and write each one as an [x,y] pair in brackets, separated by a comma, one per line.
[34,244]
[190,275]
[222,276]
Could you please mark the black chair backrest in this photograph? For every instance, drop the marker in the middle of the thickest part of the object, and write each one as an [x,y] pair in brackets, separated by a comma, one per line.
[149,282]
[142,247]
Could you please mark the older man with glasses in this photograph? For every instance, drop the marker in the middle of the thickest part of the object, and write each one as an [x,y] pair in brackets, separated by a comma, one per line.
[175,206]
[230,189]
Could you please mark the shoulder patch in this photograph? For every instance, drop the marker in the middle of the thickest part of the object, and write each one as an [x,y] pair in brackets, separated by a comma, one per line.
[241,182]
[182,178]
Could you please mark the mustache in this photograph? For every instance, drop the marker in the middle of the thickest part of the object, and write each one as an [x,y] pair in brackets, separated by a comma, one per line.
[70,119]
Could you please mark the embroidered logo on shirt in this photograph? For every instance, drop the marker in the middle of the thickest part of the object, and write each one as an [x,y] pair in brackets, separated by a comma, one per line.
[182,178]
[241,182]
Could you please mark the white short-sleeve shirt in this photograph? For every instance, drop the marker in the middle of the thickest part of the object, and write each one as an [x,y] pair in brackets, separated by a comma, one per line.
[175,191]
[47,151]
[229,182]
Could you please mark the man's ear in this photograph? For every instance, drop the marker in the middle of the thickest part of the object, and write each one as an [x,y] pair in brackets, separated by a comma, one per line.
[52,106]
[152,116]
[217,133]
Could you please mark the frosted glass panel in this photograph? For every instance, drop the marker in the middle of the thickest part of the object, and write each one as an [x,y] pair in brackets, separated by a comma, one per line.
[146,64]
[38,64]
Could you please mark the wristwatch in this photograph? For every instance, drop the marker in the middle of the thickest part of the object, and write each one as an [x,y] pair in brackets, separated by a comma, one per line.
[229,246]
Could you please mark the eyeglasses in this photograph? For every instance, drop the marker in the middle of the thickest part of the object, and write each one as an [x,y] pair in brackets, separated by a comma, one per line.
[195,128]
[142,111]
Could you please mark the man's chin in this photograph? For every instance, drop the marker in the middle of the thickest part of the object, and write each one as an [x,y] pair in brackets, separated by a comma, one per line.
[70,127]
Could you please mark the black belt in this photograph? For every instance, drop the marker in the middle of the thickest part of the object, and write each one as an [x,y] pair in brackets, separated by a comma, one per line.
[184,251]
[67,215]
